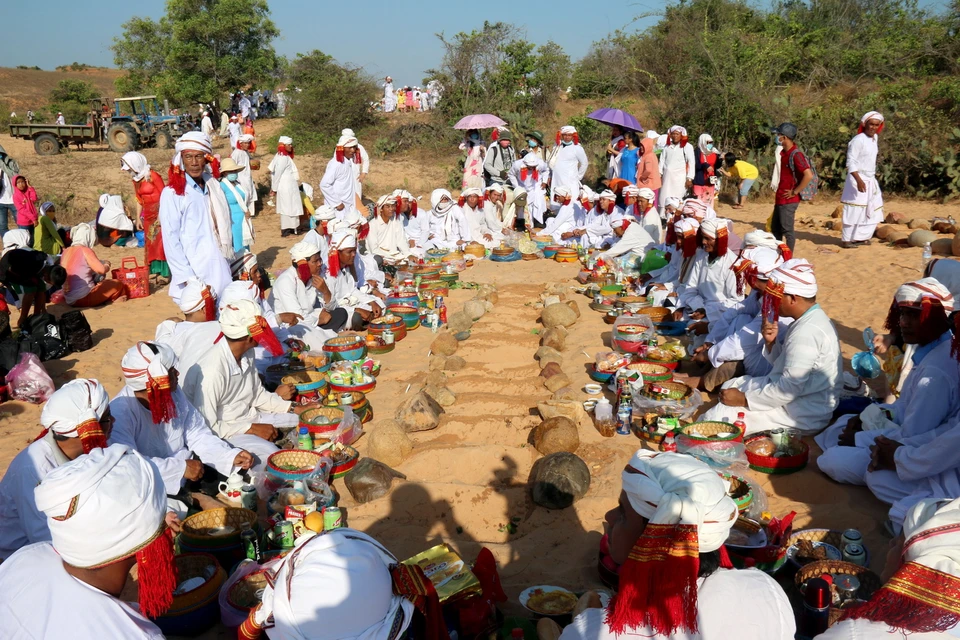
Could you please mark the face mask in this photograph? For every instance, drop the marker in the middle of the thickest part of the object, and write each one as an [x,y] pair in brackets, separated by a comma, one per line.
[474,136]
[233,177]
[566,144]
[709,146]
[532,144]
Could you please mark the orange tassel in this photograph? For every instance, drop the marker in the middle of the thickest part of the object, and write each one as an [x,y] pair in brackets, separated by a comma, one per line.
[333,263]
[177,179]
[214,163]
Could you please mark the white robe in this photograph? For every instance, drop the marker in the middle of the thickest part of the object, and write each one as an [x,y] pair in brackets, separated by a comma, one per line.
[503,215]
[234,129]
[635,239]
[339,186]
[711,285]
[190,242]
[536,193]
[445,231]
[170,444]
[362,168]
[346,293]
[598,227]
[188,340]
[41,600]
[480,226]
[802,389]
[249,187]
[676,167]
[771,617]
[289,295]
[929,396]
[870,630]
[389,99]
[650,219]
[388,239]
[412,229]
[285,181]
[206,126]
[736,336]
[21,523]
[568,165]
[566,220]
[862,212]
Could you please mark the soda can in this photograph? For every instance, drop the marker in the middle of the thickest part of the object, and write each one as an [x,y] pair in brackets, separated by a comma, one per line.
[251,544]
[332,518]
[283,534]
[855,554]
[346,398]
[248,497]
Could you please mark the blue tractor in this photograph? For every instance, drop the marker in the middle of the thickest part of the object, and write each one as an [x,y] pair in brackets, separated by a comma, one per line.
[140,122]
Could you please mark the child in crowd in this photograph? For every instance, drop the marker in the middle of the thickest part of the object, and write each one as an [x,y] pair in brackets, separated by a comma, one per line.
[743,172]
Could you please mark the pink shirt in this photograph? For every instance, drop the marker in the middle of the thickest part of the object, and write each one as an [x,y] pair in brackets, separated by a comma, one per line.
[81,264]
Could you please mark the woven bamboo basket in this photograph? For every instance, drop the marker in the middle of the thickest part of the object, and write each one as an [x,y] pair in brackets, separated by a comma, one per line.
[707,432]
[247,592]
[322,420]
[503,251]
[453,256]
[656,313]
[675,390]
[305,380]
[869,581]
[345,466]
[772,465]
[475,249]
[292,464]
[349,347]
[530,256]
[651,372]
[198,609]
[217,527]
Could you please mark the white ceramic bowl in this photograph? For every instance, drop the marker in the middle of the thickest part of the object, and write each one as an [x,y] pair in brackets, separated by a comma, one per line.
[593,389]
[589,405]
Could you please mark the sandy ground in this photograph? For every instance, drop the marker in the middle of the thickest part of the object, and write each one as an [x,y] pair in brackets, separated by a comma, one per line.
[467,479]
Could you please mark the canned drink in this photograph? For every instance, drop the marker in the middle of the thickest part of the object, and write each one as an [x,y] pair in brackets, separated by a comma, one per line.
[283,534]
[248,497]
[332,518]
[388,337]
[251,544]
[852,536]
[346,398]
[855,554]
[443,314]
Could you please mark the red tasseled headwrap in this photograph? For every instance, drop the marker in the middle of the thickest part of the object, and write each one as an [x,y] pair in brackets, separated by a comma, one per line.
[721,247]
[363,231]
[303,271]
[357,158]
[671,238]
[772,297]
[214,163]
[524,172]
[339,153]
[689,244]
[626,224]
[333,262]
[157,575]
[413,208]
[209,305]
[917,599]
[785,252]
[743,270]
[177,178]
[160,396]
[658,582]
[284,150]
[576,138]
[265,337]
[609,209]
[91,435]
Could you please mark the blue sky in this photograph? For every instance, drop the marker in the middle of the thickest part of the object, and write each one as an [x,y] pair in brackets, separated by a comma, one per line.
[385,37]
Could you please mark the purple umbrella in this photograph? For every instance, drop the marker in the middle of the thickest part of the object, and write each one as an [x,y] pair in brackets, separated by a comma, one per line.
[618,117]
[479,121]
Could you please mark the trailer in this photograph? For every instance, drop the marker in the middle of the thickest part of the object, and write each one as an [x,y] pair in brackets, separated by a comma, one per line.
[49,139]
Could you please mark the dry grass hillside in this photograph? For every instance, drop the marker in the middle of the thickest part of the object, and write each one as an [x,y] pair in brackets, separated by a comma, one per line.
[26,89]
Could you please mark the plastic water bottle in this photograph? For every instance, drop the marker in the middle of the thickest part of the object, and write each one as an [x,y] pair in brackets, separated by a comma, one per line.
[927,256]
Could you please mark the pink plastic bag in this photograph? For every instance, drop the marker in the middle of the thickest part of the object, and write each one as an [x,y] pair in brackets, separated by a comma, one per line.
[28,380]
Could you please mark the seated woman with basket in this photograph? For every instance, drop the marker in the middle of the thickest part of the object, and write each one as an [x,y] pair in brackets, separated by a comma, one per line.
[86,285]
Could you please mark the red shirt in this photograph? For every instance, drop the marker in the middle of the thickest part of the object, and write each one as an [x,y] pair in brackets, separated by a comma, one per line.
[789,180]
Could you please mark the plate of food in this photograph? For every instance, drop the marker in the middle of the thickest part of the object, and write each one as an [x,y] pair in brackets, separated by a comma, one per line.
[806,551]
[546,600]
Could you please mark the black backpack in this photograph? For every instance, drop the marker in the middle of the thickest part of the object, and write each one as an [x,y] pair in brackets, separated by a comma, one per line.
[44,329]
[76,331]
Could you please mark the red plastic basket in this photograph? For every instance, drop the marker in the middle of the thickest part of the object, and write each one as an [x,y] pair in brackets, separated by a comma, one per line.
[136,278]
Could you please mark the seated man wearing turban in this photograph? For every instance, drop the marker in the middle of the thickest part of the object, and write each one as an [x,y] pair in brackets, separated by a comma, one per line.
[387,242]
[566,227]
[483,229]
[345,584]
[681,242]
[639,206]
[929,396]
[76,419]
[921,597]
[155,418]
[711,287]
[193,336]
[531,175]
[300,295]
[106,512]
[224,386]
[445,226]
[675,578]
[803,388]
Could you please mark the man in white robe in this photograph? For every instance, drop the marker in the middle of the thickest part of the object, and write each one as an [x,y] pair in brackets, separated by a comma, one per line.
[483,231]
[206,125]
[339,183]
[669,500]
[861,199]
[803,388]
[285,187]
[155,418]
[194,235]
[677,167]
[300,295]
[408,211]
[106,512]
[632,238]
[224,386]
[711,287]
[445,226]
[76,419]
[568,162]
[389,98]
[682,249]
[348,281]
[498,214]
[565,227]
[361,170]
[929,396]
[191,337]
[641,206]
[531,174]
[387,241]
[241,155]
[235,131]
[919,598]
[224,123]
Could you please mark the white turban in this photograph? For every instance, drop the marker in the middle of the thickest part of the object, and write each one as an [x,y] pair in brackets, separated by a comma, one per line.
[437,196]
[191,141]
[303,250]
[246,137]
[240,290]
[764,258]
[711,226]
[237,317]
[387,199]
[531,160]
[630,191]
[797,278]
[932,537]
[647,194]
[676,127]
[347,141]
[684,226]
[587,193]
[567,130]
[286,140]
[608,194]
[246,263]
[652,135]
[336,586]
[192,297]
[759,238]
[674,488]
[137,163]
[16,239]
[73,404]
[104,506]
[495,187]
[913,294]
[344,239]
[348,133]
[871,115]
[113,215]
[672,201]
[695,207]
[81,235]
[140,364]
[471,191]
[324,213]
[563,192]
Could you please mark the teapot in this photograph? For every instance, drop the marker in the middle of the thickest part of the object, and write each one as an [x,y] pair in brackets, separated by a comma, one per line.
[233,486]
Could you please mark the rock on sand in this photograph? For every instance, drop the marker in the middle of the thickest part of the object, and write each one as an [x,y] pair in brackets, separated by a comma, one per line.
[558,480]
